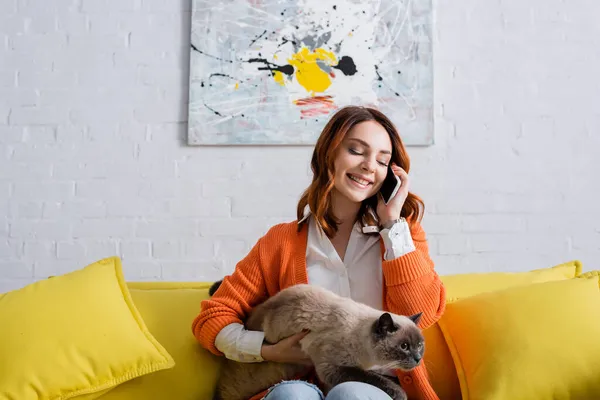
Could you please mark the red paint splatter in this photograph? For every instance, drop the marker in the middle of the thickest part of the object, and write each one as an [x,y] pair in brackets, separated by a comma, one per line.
[313,106]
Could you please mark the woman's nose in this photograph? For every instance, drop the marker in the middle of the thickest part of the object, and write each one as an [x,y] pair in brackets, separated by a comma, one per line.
[368,165]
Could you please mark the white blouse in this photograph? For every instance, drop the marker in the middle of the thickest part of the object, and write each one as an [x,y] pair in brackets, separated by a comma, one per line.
[358,276]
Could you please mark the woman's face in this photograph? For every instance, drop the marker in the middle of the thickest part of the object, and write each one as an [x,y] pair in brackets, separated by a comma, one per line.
[362,161]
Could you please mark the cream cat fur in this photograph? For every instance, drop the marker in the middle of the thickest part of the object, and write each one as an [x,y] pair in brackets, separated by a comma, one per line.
[348,341]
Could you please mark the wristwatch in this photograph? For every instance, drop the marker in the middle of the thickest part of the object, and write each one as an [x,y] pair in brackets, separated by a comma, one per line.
[389,224]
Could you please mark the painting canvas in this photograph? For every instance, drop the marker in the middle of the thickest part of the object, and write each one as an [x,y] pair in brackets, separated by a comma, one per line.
[273,72]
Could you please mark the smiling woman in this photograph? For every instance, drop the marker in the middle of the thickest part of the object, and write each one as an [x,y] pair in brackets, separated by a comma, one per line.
[356,147]
[347,240]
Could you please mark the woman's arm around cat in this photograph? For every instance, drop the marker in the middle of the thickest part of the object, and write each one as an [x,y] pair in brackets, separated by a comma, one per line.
[238,294]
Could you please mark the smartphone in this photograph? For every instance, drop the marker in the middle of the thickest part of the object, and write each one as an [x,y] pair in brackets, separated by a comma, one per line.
[390,186]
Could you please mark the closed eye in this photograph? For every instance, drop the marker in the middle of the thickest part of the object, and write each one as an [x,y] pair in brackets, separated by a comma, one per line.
[358,153]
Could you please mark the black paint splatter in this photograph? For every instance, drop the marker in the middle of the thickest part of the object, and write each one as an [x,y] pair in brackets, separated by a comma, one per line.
[285,40]
[346,65]
[223,75]
[258,37]
[380,78]
[211,56]
[213,110]
[285,69]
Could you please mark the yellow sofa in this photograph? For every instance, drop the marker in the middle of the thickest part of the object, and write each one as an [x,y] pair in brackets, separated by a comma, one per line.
[167,309]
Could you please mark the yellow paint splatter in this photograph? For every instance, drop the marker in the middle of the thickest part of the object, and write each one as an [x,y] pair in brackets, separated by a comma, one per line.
[308,73]
[275,57]
[278,76]
[237,85]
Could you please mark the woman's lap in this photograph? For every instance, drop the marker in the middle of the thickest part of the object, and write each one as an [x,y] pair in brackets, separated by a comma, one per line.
[301,390]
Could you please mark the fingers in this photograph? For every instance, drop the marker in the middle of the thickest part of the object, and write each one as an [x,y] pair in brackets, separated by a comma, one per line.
[301,335]
[399,171]
[295,338]
[293,351]
[403,175]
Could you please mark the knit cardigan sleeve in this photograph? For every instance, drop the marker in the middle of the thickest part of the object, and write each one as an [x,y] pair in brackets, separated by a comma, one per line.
[239,293]
[411,283]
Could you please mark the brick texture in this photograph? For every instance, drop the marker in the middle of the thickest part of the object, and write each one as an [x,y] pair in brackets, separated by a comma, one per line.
[93,160]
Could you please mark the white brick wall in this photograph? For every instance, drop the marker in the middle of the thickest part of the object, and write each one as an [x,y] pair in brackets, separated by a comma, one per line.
[93,160]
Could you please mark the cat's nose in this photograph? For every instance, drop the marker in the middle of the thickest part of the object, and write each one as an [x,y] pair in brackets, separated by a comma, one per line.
[417,358]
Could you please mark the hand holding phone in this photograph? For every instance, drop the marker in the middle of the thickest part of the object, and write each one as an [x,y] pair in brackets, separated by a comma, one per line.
[390,186]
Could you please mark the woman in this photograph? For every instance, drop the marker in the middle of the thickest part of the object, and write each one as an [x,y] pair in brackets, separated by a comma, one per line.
[345,239]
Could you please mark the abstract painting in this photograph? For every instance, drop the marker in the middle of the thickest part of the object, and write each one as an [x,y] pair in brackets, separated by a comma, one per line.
[274,71]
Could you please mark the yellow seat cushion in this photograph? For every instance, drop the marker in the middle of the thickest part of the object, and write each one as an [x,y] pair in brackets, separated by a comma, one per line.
[538,341]
[74,335]
[168,308]
[442,373]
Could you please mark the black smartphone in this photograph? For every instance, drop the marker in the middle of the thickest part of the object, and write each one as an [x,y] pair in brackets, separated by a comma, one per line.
[390,186]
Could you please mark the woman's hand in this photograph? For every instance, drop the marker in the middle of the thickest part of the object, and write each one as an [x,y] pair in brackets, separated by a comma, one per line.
[392,210]
[286,350]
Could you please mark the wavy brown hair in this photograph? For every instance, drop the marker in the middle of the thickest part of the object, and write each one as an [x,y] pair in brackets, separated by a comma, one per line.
[318,194]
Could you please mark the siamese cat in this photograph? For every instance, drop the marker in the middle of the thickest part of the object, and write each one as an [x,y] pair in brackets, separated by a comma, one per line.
[348,341]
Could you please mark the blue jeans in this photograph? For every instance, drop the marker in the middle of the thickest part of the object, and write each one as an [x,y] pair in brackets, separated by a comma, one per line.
[300,390]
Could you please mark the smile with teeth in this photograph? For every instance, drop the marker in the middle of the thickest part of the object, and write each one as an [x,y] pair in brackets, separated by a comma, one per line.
[360,182]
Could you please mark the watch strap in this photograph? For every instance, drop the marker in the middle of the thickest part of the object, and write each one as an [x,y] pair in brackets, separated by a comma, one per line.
[389,224]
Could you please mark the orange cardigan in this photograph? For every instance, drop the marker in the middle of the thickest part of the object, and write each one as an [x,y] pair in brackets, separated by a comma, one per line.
[278,261]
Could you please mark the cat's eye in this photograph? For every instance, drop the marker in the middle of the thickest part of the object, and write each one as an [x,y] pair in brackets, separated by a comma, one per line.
[404,346]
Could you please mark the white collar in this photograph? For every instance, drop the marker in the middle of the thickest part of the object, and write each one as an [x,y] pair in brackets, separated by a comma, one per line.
[306,213]
[366,229]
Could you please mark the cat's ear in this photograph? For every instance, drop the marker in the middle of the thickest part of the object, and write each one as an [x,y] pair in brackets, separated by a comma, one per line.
[416,318]
[385,324]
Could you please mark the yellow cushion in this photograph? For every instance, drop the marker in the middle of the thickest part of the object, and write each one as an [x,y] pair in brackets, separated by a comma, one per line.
[465,285]
[538,341]
[77,334]
[442,373]
[168,308]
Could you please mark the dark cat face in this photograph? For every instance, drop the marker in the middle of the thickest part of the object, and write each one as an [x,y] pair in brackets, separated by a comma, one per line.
[398,344]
